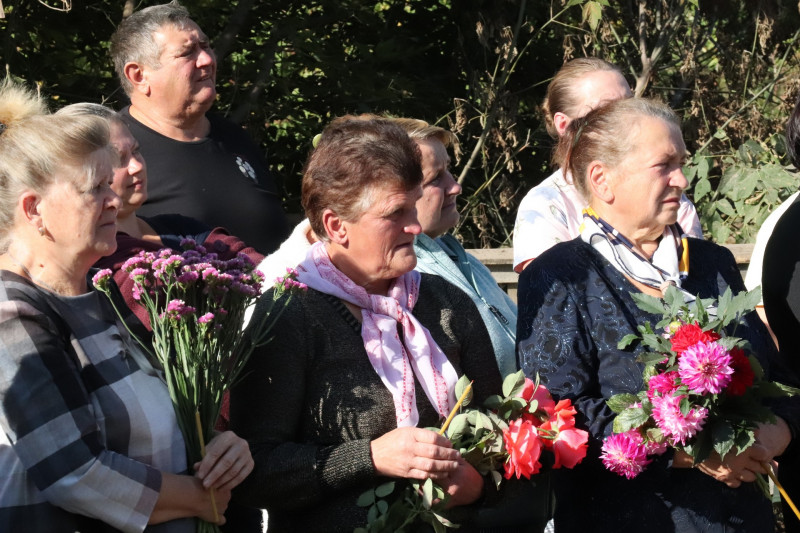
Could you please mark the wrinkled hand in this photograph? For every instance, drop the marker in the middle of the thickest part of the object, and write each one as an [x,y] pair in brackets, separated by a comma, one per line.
[226,464]
[734,470]
[771,440]
[414,453]
[774,437]
[464,485]
[222,497]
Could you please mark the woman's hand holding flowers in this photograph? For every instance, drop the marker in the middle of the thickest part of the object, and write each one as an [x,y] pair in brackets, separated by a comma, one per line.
[414,453]
[464,485]
[226,464]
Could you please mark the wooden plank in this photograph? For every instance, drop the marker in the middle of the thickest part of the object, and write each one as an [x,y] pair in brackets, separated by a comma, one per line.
[499,261]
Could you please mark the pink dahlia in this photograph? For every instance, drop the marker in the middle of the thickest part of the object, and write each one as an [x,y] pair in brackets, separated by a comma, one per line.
[663,384]
[673,423]
[705,367]
[625,454]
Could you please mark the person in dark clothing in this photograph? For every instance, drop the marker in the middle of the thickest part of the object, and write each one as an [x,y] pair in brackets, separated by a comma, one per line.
[364,360]
[576,304]
[201,165]
[780,286]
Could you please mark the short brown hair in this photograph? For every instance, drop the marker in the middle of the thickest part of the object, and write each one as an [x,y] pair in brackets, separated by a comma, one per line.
[560,97]
[353,159]
[606,134]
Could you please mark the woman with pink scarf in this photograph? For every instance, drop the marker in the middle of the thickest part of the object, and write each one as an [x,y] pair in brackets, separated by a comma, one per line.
[368,357]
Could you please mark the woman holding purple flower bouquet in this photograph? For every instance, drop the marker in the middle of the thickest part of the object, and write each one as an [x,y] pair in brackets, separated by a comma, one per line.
[90,441]
[576,304]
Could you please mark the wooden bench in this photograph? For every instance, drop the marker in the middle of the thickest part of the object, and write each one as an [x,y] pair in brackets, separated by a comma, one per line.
[499,261]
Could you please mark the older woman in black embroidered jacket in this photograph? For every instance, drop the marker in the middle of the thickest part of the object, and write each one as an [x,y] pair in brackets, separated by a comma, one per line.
[575,305]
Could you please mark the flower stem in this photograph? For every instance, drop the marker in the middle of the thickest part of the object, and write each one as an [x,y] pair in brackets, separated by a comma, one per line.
[203,454]
[786,497]
[455,409]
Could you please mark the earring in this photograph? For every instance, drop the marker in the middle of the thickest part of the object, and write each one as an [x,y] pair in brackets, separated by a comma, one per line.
[41,231]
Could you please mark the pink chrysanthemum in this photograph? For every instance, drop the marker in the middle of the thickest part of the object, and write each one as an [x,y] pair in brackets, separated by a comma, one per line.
[673,423]
[625,454]
[705,367]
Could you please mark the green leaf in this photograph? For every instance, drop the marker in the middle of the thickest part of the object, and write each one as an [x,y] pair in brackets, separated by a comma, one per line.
[427,493]
[513,384]
[723,436]
[461,385]
[372,514]
[366,499]
[384,489]
[459,426]
[647,303]
[629,419]
[701,189]
[592,13]
[627,340]
[383,506]
[620,402]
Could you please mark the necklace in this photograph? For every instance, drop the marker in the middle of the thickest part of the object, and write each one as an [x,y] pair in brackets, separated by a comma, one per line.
[34,279]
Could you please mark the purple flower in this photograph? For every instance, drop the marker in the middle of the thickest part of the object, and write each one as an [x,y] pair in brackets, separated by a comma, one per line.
[625,453]
[187,243]
[137,291]
[140,260]
[188,277]
[206,318]
[673,423]
[210,272]
[102,278]
[177,309]
[705,367]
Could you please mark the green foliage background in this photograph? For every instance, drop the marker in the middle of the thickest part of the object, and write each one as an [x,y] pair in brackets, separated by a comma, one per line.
[478,67]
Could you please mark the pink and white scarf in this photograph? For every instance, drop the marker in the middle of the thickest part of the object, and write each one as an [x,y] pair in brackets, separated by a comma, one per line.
[392,358]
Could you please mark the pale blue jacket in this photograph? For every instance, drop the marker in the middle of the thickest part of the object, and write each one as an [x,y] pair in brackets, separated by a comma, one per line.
[446,257]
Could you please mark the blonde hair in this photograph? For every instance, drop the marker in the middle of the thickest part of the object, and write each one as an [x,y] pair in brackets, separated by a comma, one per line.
[607,134]
[561,97]
[35,146]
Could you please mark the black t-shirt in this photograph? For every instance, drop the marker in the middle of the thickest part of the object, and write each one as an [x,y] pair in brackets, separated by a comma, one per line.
[221,180]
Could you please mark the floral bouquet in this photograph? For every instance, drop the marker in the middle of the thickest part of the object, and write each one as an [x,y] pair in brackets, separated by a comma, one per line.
[509,432]
[196,304]
[705,392]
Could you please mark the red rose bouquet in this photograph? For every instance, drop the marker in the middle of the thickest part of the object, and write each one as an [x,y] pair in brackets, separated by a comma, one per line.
[510,432]
[704,391]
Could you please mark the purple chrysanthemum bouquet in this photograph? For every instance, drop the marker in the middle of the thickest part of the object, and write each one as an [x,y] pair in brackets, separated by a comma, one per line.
[196,304]
[704,391]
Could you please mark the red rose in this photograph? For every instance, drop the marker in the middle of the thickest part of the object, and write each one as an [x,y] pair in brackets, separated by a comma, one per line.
[545,401]
[743,376]
[527,390]
[569,447]
[524,448]
[689,335]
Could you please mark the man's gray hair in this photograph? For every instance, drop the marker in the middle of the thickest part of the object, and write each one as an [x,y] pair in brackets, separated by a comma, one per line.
[133,41]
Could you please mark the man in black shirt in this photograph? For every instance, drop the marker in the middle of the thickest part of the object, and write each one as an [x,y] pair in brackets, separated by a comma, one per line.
[200,165]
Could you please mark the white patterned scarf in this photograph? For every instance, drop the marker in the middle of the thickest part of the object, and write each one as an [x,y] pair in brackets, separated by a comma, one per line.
[668,266]
[395,360]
